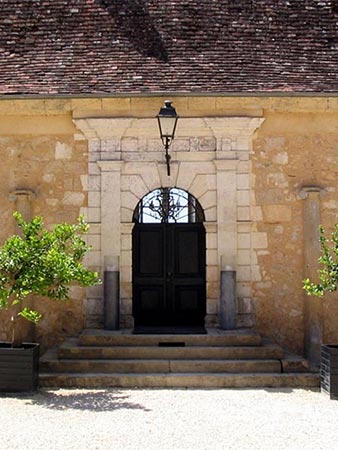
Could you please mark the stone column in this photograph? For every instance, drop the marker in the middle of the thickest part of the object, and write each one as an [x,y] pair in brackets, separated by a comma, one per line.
[313,306]
[23,204]
[111,238]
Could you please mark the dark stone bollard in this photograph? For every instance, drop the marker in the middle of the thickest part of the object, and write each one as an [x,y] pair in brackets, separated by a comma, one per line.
[111,300]
[228,300]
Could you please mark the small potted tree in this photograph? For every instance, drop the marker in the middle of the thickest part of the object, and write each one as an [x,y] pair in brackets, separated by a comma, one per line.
[37,263]
[328,282]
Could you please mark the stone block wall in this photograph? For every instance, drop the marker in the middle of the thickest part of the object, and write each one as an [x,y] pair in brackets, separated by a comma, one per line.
[41,157]
[292,150]
[256,183]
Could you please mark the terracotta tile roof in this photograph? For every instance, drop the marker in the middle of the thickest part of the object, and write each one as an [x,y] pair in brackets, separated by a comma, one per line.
[141,46]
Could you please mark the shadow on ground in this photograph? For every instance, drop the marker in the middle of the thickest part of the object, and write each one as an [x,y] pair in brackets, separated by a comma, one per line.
[101,400]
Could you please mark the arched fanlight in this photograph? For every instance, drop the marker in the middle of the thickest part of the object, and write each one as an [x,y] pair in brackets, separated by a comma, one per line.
[168,205]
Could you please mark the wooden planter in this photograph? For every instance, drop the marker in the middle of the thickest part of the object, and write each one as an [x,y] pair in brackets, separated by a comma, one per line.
[329,370]
[19,367]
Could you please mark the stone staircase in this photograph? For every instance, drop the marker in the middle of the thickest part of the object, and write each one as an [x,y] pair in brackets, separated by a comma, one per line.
[219,359]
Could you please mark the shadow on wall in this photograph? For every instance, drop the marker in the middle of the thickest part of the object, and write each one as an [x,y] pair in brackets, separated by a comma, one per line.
[134,22]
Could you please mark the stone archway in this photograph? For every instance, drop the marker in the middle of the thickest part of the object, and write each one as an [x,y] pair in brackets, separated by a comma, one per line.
[210,159]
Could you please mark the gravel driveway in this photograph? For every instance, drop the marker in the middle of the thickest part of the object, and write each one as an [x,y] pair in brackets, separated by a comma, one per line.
[166,419]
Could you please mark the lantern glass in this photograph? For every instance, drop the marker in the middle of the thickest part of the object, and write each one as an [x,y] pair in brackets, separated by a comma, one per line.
[167,120]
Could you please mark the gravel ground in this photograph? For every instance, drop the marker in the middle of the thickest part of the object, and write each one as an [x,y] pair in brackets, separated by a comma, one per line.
[166,419]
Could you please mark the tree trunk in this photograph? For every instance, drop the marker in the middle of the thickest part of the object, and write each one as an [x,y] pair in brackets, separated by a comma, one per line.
[22,329]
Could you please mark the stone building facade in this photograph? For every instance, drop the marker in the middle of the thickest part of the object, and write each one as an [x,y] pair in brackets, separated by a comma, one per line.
[263,169]
[255,84]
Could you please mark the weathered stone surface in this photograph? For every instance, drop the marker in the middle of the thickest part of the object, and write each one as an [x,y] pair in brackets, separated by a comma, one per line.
[245,305]
[296,147]
[40,161]
[63,151]
[73,198]
[284,160]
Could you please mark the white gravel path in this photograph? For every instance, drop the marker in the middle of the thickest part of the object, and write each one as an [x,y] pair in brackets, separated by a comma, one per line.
[166,419]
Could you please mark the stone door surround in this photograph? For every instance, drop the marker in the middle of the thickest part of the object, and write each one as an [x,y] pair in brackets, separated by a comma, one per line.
[210,160]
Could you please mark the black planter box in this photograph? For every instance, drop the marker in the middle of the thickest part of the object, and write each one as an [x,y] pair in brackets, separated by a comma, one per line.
[329,370]
[19,367]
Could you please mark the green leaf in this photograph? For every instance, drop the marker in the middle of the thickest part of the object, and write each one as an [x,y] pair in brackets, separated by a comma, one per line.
[328,274]
[43,262]
[31,315]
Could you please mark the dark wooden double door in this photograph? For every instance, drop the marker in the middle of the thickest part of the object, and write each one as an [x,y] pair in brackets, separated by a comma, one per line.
[169,275]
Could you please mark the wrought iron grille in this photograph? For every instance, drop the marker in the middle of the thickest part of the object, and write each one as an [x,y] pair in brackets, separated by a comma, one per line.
[168,205]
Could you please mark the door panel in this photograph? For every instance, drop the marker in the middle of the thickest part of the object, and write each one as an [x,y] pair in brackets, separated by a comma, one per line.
[169,274]
[150,304]
[149,280]
[189,273]
[150,256]
[187,252]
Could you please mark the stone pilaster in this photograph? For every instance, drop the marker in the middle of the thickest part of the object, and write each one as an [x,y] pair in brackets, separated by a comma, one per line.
[227,210]
[111,239]
[110,210]
[313,306]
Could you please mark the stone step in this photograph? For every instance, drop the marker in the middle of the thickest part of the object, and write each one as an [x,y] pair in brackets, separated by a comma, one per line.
[293,363]
[71,351]
[100,338]
[182,380]
[219,359]
[159,366]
